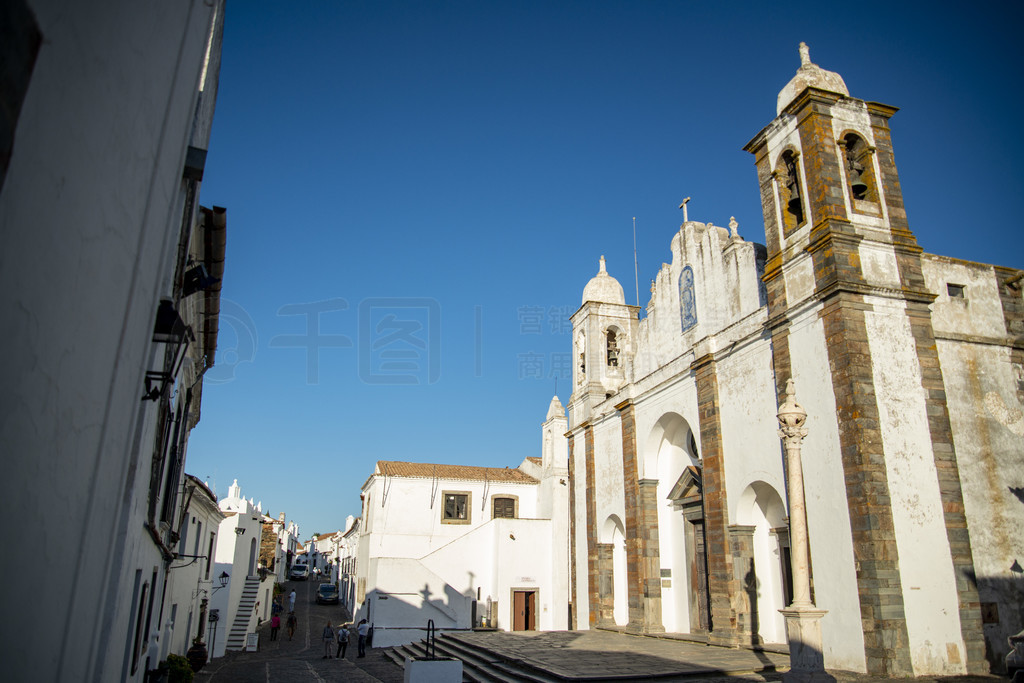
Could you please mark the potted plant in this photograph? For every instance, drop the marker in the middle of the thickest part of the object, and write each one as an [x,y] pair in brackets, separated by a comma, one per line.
[197,654]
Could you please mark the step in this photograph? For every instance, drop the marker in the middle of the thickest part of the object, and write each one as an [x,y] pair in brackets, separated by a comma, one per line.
[476,665]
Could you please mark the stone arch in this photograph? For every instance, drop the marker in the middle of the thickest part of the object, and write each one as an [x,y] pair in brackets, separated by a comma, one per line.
[859,168]
[614,345]
[761,517]
[790,189]
[672,458]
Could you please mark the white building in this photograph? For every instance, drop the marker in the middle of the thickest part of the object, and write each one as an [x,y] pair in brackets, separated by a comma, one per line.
[191,578]
[287,545]
[348,551]
[466,546]
[248,595]
[909,366]
[108,108]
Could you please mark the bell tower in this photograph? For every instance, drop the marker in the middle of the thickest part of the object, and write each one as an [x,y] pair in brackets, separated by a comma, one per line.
[848,307]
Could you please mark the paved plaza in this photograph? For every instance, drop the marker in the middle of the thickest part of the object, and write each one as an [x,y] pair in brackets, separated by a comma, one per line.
[561,655]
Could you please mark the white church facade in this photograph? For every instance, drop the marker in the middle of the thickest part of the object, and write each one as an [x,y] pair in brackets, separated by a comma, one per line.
[910,367]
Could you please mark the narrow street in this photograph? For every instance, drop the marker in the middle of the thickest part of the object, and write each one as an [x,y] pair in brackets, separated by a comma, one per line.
[302,657]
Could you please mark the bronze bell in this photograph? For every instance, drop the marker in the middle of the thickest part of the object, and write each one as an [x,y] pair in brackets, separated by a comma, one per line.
[858,187]
[795,206]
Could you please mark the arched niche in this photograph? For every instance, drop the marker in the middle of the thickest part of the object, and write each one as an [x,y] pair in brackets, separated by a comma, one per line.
[761,514]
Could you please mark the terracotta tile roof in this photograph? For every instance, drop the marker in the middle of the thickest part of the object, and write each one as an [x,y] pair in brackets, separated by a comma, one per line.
[467,472]
[535,461]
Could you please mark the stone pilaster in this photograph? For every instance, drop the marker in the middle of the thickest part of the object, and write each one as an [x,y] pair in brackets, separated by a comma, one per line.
[886,643]
[721,583]
[642,558]
[650,555]
[592,558]
[572,532]
[606,584]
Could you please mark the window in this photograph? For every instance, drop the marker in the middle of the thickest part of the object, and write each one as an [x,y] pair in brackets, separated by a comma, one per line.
[955,291]
[209,556]
[456,507]
[504,507]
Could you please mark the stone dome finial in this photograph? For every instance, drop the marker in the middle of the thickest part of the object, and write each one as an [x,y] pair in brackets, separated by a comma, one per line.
[555,409]
[810,75]
[604,288]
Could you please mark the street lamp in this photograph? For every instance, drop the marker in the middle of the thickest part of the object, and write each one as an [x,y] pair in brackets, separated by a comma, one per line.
[223,579]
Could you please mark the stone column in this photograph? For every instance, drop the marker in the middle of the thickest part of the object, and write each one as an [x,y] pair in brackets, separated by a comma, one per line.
[803,620]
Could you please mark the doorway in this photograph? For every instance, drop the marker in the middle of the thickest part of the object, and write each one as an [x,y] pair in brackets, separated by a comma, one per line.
[524,610]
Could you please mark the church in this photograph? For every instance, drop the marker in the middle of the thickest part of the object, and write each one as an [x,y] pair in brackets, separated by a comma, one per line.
[910,367]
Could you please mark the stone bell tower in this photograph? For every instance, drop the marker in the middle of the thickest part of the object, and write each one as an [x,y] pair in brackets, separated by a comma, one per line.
[604,330]
[848,306]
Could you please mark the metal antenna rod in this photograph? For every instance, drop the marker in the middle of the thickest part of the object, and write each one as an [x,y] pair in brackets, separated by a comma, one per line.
[636,271]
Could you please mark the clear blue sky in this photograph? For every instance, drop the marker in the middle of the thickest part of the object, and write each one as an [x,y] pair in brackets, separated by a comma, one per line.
[460,167]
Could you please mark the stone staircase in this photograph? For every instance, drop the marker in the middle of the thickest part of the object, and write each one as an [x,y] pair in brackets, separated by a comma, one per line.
[243,617]
[479,665]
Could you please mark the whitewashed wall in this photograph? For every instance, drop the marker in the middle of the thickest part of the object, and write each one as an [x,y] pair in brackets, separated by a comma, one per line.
[89,212]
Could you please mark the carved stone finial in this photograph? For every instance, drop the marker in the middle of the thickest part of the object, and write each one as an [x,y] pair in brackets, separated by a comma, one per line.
[732,227]
[792,417]
[805,54]
[602,264]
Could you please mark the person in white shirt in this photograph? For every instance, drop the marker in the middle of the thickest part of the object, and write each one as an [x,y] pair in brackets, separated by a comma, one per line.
[362,630]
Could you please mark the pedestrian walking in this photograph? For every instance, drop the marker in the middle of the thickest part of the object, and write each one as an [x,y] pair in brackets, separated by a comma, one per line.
[291,625]
[362,631]
[342,642]
[275,626]
[291,601]
[328,640]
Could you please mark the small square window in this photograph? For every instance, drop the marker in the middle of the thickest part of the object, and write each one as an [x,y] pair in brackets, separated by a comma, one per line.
[456,507]
[504,508]
[955,291]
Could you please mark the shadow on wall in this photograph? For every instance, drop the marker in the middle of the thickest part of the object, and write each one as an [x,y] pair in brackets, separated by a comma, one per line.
[1002,612]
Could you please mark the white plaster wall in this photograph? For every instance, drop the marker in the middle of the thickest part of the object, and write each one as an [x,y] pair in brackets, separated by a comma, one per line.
[828,517]
[87,213]
[750,441]
[580,603]
[609,494]
[926,568]
[408,524]
[979,313]
[987,422]
[878,263]
[188,575]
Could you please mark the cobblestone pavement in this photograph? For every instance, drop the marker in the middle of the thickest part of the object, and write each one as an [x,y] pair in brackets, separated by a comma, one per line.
[302,658]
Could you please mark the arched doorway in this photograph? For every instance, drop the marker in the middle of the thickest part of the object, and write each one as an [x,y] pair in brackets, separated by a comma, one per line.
[672,457]
[766,580]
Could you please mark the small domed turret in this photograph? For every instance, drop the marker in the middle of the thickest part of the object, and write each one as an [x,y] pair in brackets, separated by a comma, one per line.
[604,288]
[810,75]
